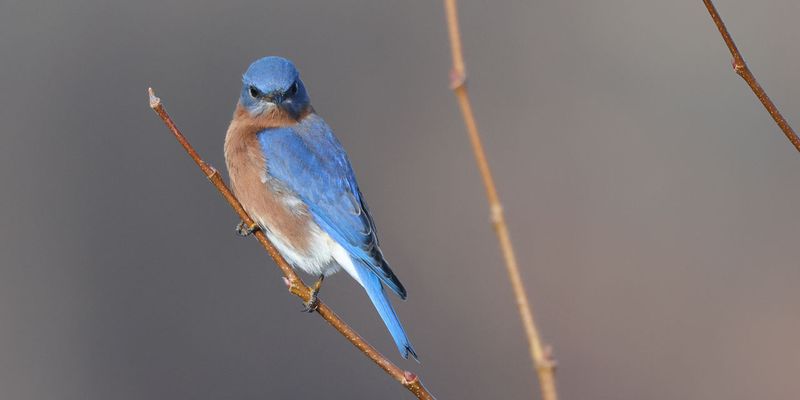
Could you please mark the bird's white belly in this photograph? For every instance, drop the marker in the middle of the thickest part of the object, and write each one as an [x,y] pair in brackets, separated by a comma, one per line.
[317,259]
[320,256]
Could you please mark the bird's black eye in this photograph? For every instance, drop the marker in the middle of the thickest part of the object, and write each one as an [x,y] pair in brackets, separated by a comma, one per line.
[254,92]
[292,89]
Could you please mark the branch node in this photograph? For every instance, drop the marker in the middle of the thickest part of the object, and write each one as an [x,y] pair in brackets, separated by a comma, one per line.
[212,171]
[296,288]
[548,361]
[496,213]
[738,66]
[409,377]
[458,78]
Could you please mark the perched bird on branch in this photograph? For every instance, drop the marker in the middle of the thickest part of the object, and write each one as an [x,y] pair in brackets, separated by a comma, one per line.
[294,179]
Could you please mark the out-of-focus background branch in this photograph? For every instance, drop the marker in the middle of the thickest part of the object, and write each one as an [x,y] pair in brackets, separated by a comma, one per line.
[651,198]
[740,66]
[541,356]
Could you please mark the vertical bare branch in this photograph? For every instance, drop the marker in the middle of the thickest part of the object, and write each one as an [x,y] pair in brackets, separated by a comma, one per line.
[743,70]
[296,286]
[542,360]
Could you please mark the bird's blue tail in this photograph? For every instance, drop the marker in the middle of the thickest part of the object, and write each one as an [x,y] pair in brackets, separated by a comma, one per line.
[372,284]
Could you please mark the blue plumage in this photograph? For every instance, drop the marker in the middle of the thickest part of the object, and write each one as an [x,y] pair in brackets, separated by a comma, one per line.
[304,161]
[311,162]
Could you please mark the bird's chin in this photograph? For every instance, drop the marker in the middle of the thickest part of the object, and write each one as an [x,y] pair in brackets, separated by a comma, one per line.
[262,108]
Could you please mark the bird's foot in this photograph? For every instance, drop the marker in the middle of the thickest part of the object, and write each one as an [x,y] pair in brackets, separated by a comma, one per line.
[312,304]
[243,229]
[313,301]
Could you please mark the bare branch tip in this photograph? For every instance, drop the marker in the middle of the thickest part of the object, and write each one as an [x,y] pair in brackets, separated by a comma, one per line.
[154,101]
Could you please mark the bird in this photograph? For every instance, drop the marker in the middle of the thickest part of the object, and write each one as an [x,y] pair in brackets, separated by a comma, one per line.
[294,178]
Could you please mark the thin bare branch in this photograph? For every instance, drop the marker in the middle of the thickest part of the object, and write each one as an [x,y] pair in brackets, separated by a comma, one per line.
[296,286]
[541,355]
[743,70]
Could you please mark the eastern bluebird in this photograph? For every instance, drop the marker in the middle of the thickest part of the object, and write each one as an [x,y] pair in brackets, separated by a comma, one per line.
[293,177]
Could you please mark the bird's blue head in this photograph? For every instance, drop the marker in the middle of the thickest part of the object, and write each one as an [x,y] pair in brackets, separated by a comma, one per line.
[272,84]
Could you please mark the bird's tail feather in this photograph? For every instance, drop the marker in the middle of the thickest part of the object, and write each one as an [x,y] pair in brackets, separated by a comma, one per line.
[374,288]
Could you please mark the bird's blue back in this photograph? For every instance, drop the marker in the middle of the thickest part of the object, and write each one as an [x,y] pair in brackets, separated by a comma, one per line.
[311,162]
[308,160]
[302,156]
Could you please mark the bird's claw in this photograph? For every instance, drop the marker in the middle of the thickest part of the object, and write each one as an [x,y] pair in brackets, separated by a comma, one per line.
[313,300]
[243,229]
[312,304]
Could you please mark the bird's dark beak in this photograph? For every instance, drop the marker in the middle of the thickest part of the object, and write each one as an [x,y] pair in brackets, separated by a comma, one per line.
[274,97]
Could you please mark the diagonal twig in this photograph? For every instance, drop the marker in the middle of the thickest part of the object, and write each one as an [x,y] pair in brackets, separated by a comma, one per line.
[541,355]
[296,286]
[743,70]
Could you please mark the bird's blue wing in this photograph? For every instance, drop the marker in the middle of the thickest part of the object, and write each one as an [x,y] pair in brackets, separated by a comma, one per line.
[311,162]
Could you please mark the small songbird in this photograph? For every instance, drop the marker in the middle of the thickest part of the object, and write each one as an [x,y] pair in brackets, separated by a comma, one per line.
[294,179]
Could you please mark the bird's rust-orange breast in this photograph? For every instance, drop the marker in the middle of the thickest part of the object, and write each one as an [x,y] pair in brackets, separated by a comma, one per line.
[262,200]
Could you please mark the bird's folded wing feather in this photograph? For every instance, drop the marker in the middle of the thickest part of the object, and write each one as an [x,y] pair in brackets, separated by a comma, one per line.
[312,164]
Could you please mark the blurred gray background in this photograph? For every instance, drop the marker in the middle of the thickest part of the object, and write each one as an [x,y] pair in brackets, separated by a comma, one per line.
[652,200]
